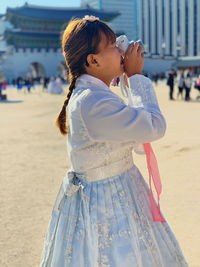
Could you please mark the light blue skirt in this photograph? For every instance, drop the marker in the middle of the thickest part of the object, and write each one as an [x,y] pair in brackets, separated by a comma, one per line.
[108,223]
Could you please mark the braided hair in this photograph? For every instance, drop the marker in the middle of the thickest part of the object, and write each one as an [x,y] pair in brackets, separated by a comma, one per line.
[61,120]
[80,38]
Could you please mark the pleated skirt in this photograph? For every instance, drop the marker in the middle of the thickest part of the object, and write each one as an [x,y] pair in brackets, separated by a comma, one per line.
[108,223]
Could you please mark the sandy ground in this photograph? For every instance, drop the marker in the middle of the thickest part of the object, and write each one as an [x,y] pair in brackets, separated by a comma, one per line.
[33,161]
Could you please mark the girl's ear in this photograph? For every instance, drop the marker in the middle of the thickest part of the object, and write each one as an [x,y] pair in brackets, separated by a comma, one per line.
[92,60]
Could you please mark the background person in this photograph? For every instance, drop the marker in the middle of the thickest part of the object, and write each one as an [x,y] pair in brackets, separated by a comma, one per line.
[170,83]
[188,85]
[181,84]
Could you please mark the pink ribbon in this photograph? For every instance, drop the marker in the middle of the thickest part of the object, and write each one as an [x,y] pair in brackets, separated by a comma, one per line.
[154,174]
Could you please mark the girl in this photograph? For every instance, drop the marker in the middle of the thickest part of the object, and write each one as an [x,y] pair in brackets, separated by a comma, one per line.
[102,214]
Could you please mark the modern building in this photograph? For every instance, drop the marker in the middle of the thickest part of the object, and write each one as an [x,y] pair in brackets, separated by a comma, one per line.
[170,28]
[30,39]
[126,22]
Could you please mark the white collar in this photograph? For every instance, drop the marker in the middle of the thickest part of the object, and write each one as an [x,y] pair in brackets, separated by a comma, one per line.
[86,79]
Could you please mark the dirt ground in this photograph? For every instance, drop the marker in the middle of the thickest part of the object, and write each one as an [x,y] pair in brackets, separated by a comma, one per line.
[33,161]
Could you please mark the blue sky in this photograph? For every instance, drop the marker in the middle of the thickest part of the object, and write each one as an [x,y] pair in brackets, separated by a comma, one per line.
[17,3]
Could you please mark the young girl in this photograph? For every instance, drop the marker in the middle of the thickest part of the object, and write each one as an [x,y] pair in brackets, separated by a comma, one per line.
[102,215]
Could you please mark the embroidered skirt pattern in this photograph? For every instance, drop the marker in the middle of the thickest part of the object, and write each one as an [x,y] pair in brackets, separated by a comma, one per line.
[108,223]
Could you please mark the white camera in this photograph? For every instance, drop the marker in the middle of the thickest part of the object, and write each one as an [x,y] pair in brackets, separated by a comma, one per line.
[123,43]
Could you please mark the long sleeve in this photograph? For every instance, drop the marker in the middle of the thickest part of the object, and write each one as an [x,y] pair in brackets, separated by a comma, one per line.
[108,118]
[141,92]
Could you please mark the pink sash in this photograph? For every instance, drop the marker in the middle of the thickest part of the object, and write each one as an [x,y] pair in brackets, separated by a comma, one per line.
[154,174]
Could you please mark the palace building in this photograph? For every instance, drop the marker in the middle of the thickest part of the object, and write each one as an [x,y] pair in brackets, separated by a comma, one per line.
[30,39]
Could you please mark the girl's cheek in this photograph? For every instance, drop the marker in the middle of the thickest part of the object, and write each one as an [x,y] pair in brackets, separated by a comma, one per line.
[118,52]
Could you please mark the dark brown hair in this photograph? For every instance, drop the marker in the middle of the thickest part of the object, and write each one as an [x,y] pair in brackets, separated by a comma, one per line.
[80,38]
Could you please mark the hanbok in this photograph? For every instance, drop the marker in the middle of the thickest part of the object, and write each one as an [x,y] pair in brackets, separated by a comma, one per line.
[102,215]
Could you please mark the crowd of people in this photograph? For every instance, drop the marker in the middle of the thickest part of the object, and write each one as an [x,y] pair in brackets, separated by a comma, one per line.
[52,85]
[185,82]
[183,79]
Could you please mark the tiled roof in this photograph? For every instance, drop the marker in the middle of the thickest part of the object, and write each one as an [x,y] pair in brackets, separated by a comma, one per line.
[39,35]
[61,14]
[2,52]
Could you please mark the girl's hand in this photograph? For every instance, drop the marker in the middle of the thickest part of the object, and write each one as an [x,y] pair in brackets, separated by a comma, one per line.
[134,59]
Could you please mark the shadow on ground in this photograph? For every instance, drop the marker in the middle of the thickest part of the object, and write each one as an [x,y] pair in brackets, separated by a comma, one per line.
[11,101]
